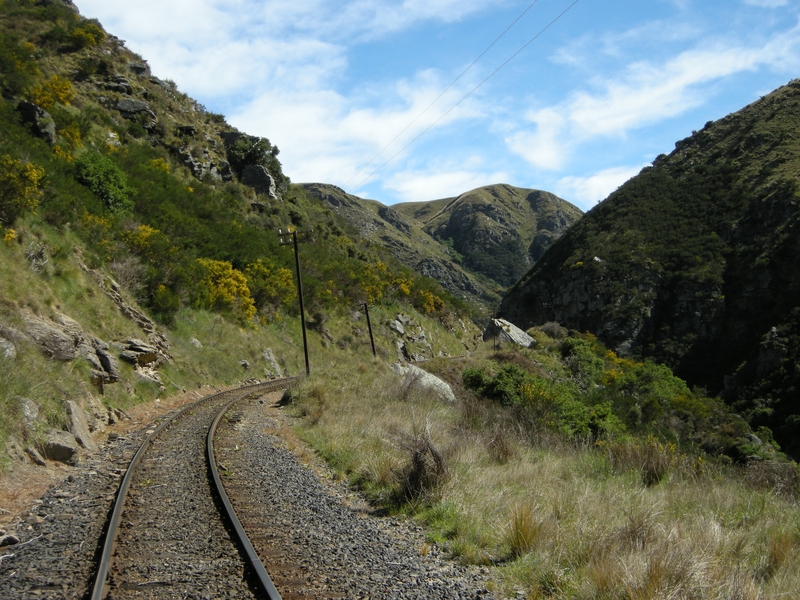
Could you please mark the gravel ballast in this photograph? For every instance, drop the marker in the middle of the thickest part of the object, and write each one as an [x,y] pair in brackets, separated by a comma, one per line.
[313,540]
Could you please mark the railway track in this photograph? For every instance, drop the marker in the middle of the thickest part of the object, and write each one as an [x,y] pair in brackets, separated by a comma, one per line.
[167,537]
[168,540]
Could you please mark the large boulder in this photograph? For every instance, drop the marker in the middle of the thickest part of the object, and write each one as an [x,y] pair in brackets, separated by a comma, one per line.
[414,374]
[134,109]
[79,427]
[30,413]
[503,331]
[138,352]
[8,351]
[64,339]
[52,340]
[61,446]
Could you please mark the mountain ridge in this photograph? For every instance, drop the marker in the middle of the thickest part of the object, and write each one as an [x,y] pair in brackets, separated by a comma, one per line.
[473,244]
[691,262]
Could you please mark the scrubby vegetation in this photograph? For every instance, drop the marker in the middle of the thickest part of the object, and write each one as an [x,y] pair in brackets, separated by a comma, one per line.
[569,471]
[87,183]
[572,471]
[122,189]
[691,263]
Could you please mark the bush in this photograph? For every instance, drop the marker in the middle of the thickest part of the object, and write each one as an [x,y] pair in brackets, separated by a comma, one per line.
[224,288]
[100,174]
[426,470]
[19,188]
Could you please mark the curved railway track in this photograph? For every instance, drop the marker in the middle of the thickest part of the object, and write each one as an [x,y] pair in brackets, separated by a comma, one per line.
[166,537]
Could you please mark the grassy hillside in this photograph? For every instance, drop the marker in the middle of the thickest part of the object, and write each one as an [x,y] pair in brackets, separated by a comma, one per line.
[692,263]
[386,227]
[569,472]
[475,245]
[105,169]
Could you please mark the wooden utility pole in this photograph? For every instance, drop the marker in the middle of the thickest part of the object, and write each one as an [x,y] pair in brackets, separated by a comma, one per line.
[369,326]
[293,241]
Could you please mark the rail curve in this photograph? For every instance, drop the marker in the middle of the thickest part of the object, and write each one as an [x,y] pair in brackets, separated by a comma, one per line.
[138,540]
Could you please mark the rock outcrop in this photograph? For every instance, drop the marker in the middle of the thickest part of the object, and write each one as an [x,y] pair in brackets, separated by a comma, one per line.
[258,178]
[41,122]
[64,339]
[412,343]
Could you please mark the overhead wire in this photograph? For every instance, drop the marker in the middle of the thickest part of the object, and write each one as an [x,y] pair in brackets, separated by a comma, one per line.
[472,91]
[427,108]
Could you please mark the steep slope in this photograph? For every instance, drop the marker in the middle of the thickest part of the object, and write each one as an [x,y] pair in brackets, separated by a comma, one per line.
[383,225]
[130,215]
[474,244]
[693,262]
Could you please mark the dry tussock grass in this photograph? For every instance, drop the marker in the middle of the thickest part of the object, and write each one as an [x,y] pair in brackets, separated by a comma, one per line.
[632,521]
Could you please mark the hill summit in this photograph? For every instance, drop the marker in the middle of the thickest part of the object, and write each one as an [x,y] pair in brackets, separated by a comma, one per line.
[475,244]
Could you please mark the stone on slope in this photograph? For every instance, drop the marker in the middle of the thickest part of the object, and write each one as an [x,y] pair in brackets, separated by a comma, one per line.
[426,380]
[504,331]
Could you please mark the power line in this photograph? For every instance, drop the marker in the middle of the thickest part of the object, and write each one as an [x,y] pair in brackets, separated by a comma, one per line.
[472,64]
[492,74]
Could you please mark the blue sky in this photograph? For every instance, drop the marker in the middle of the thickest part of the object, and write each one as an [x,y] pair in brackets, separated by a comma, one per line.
[597,96]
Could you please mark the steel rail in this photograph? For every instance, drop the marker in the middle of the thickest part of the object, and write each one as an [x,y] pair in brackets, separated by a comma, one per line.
[99,589]
[255,562]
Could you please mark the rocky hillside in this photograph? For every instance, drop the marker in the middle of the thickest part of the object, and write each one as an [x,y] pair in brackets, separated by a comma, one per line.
[475,245]
[498,231]
[139,246]
[693,263]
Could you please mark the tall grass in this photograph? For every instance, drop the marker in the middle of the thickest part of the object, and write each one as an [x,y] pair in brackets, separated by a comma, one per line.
[635,520]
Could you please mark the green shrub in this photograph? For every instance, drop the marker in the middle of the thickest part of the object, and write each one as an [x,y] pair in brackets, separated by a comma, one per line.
[19,188]
[101,174]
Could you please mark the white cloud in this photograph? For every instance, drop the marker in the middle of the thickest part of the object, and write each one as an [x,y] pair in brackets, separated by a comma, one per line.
[327,136]
[416,186]
[643,95]
[195,22]
[544,147]
[588,191]
[767,3]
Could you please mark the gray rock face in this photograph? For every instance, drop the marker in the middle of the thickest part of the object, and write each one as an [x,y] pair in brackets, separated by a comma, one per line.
[131,109]
[269,356]
[60,446]
[35,456]
[138,68]
[117,83]
[53,342]
[258,178]
[397,326]
[139,353]
[394,218]
[128,105]
[426,380]
[30,413]
[7,350]
[79,427]
[504,331]
[40,120]
[65,340]
[451,278]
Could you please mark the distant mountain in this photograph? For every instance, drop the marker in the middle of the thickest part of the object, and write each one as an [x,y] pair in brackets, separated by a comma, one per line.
[475,244]
[500,230]
[694,262]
